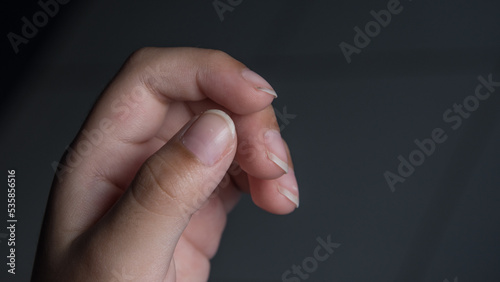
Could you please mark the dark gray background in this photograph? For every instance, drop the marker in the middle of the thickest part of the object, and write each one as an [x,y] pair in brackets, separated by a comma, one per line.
[352,121]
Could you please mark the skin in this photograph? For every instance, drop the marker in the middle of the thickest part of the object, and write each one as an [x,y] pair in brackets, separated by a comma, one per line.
[139,206]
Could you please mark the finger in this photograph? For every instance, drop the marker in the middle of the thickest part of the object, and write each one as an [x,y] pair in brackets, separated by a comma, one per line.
[278,196]
[192,74]
[142,229]
[261,150]
[205,227]
[154,78]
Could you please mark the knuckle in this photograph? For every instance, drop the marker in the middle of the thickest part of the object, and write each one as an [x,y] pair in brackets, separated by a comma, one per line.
[216,55]
[139,60]
[161,189]
[139,55]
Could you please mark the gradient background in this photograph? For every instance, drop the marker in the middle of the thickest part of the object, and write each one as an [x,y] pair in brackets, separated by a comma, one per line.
[351,123]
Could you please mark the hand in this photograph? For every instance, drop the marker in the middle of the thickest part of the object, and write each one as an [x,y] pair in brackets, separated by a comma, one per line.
[143,192]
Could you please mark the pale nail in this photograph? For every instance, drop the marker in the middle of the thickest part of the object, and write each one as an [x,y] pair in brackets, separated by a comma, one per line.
[276,151]
[287,186]
[258,82]
[209,136]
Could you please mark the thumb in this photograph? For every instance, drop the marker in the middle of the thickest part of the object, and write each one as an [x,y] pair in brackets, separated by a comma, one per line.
[142,229]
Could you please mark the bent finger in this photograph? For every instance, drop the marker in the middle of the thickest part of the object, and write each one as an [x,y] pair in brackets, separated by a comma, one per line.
[278,196]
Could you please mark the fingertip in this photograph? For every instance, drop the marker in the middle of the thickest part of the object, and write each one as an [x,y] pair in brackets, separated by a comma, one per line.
[258,82]
[279,196]
[262,153]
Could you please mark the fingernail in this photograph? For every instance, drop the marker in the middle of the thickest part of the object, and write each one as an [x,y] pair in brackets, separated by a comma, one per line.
[287,186]
[209,135]
[258,82]
[276,151]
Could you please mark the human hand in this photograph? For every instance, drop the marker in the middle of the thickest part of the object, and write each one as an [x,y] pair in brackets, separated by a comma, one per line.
[144,192]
